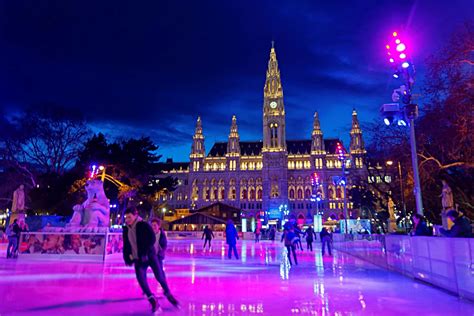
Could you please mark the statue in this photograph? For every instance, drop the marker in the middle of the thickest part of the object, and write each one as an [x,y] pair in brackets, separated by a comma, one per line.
[18,205]
[447,202]
[94,212]
[447,196]
[392,223]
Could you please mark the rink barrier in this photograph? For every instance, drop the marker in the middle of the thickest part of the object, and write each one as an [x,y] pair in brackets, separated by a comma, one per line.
[447,263]
[90,246]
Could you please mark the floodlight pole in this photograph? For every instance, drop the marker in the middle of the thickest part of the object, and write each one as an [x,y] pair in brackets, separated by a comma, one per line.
[416,175]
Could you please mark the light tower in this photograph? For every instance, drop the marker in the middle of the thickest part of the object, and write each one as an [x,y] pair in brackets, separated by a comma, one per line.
[403,68]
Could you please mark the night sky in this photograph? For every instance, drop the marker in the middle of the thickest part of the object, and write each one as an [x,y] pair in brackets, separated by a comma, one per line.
[150,68]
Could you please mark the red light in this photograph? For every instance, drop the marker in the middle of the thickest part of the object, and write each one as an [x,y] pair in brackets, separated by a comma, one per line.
[387,46]
[395,34]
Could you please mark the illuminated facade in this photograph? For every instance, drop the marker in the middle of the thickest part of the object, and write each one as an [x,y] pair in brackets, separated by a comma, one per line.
[260,176]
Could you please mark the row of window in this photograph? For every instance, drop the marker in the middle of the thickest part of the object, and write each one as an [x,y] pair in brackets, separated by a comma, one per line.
[258,165]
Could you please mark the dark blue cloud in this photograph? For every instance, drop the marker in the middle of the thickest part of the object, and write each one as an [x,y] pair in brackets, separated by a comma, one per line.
[150,68]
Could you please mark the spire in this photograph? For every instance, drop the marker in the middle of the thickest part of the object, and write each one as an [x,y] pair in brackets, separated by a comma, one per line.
[198,130]
[316,125]
[233,128]
[355,123]
[233,144]
[357,143]
[317,143]
[197,149]
[273,87]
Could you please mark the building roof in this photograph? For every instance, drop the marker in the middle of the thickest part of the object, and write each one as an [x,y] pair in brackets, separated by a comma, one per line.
[170,165]
[294,147]
[198,218]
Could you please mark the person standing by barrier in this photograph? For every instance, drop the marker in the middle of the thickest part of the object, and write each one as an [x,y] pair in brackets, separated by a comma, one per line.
[420,228]
[291,239]
[461,228]
[310,236]
[326,239]
[231,236]
[139,250]
[208,234]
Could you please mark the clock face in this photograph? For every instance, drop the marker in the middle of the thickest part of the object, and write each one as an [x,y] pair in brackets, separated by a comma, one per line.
[273,104]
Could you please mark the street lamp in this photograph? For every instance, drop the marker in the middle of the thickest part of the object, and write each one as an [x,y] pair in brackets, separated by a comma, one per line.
[407,112]
[342,181]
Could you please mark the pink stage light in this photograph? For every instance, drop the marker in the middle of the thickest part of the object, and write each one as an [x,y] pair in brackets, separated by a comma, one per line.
[397,41]
[391,60]
[403,56]
[395,34]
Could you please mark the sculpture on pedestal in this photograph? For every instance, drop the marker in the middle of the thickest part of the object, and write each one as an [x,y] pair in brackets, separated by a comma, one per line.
[94,212]
[447,202]
[392,224]
[18,205]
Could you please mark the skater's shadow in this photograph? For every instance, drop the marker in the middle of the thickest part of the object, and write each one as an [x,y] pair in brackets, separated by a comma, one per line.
[83,304]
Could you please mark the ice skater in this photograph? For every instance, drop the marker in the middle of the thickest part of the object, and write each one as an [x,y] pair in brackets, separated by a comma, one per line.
[290,238]
[272,233]
[139,250]
[209,235]
[13,234]
[326,239]
[298,233]
[231,236]
[257,234]
[310,236]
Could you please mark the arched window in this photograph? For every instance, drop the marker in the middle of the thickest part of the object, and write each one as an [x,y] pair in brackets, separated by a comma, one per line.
[222,194]
[252,194]
[307,194]
[259,194]
[300,194]
[244,194]
[292,194]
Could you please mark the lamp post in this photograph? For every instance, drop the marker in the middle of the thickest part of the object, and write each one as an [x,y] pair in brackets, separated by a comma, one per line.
[397,52]
[343,160]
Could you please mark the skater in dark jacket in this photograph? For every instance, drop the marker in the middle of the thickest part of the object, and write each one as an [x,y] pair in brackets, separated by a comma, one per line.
[310,236]
[326,239]
[290,239]
[461,228]
[139,250]
[209,235]
[231,237]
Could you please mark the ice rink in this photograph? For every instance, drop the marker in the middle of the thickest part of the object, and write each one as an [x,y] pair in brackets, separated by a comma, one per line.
[207,283]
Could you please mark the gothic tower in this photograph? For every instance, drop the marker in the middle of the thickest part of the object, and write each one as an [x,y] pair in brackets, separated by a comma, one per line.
[275,157]
[317,144]
[357,147]
[197,149]
[274,136]
[233,147]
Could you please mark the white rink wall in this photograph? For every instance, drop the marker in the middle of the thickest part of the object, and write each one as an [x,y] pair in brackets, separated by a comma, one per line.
[444,262]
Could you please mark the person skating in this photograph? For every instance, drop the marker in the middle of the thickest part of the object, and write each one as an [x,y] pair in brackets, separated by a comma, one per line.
[161,244]
[298,233]
[208,234]
[231,236]
[326,239]
[310,236]
[139,250]
[13,234]
[291,239]
[272,233]
[257,234]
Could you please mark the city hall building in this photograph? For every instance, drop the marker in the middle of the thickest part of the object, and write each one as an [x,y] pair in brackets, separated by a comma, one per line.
[271,177]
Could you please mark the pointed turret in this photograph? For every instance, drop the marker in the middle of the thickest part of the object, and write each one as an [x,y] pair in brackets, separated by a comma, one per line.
[317,144]
[197,149]
[273,88]
[357,147]
[233,145]
[274,131]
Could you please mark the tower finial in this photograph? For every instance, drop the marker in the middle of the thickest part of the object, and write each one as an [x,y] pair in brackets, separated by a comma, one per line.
[273,44]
